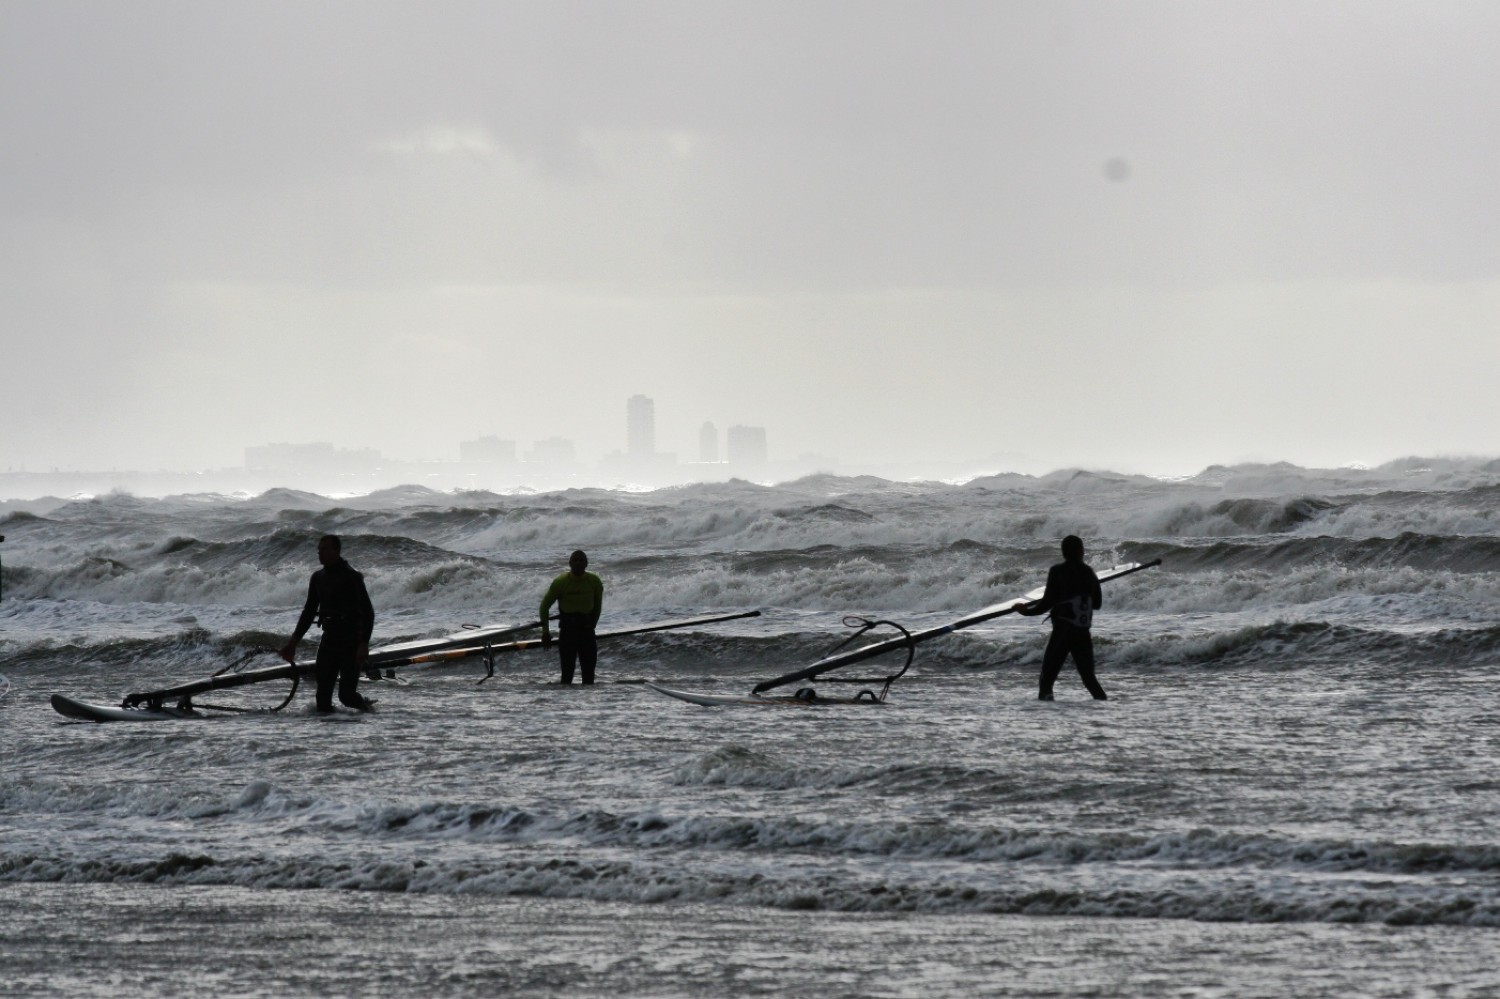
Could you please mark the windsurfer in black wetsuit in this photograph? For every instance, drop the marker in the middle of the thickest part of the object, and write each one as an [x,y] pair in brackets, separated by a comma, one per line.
[1072,595]
[337,598]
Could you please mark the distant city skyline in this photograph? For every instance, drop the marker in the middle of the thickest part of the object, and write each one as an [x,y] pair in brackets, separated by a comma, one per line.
[495,459]
[491,461]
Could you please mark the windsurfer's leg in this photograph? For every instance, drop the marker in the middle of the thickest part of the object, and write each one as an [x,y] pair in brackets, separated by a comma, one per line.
[588,655]
[349,694]
[1052,660]
[1083,658]
[326,673]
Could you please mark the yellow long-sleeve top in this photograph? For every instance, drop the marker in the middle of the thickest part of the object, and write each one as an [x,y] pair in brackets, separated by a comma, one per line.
[574,594]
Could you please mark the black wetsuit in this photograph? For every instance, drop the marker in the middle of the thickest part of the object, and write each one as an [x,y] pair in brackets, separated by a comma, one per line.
[337,598]
[576,644]
[1072,596]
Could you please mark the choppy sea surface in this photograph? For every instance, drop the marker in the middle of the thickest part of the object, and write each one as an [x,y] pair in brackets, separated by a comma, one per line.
[1292,791]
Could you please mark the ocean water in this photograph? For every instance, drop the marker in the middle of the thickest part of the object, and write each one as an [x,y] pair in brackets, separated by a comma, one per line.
[1293,789]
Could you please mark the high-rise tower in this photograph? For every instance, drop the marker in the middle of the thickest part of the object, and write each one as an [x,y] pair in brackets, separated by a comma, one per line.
[747,446]
[708,443]
[640,428]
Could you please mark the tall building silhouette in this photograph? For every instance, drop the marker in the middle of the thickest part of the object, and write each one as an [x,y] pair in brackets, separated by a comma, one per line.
[747,446]
[708,443]
[488,448]
[640,428]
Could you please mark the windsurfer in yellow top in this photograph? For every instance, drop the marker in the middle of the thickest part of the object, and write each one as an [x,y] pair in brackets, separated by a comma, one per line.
[579,596]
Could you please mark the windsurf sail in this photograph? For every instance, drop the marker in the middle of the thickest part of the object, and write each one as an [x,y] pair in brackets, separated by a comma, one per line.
[463,644]
[468,642]
[454,646]
[462,650]
[908,640]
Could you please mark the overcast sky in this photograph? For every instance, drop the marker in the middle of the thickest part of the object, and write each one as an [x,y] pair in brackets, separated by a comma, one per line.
[1148,236]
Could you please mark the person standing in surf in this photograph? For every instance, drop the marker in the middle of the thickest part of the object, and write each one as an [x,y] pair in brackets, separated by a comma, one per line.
[338,601]
[579,596]
[1072,596]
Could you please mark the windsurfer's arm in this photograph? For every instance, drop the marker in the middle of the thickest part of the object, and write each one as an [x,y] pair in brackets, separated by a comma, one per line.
[1049,597]
[367,620]
[547,601]
[309,611]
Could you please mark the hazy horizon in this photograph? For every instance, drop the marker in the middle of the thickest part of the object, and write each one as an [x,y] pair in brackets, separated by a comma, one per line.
[18,488]
[1151,237]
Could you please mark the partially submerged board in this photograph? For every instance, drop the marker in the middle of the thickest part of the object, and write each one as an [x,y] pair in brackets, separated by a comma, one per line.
[89,711]
[726,700]
[86,711]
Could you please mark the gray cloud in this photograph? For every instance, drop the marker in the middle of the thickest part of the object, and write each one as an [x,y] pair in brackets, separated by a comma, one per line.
[1234,200]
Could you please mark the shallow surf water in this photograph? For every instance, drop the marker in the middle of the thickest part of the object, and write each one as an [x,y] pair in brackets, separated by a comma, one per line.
[1291,790]
[107,940]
